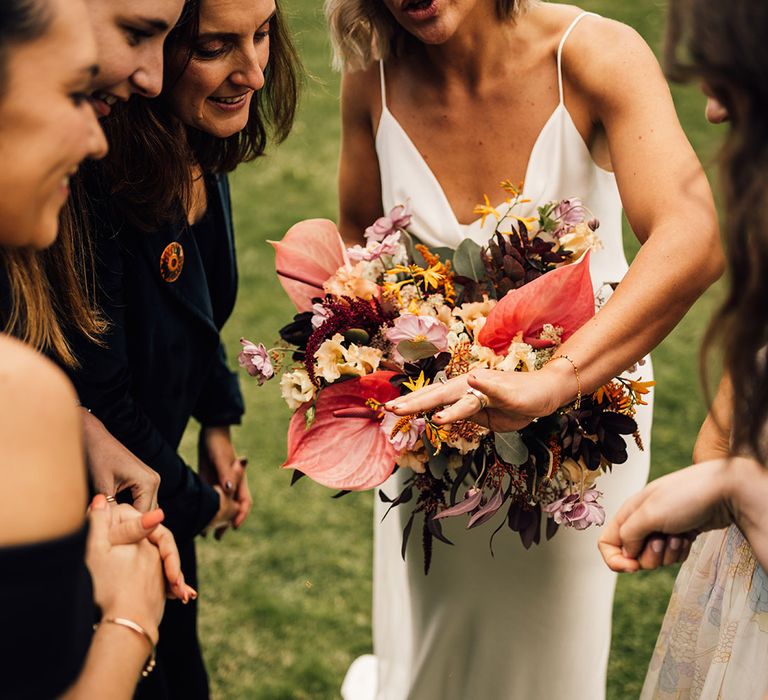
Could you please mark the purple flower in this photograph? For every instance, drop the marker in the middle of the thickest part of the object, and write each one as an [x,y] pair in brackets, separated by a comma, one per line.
[375,249]
[569,212]
[405,439]
[419,329]
[579,513]
[320,314]
[255,359]
[398,218]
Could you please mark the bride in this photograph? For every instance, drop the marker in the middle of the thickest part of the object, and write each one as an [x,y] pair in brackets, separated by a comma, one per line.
[441,101]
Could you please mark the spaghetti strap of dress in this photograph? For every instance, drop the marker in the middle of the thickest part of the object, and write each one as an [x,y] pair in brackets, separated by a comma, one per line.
[567,33]
[382,81]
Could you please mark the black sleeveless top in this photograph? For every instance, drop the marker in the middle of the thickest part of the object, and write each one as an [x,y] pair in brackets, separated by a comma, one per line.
[46,617]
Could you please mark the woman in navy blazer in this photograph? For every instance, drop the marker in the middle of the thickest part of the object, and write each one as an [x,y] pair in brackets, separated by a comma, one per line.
[160,223]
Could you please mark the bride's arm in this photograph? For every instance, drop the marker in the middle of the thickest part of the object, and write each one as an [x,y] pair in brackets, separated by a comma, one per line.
[359,181]
[669,205]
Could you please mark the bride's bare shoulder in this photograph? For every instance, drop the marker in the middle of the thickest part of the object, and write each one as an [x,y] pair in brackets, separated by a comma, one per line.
[42,478]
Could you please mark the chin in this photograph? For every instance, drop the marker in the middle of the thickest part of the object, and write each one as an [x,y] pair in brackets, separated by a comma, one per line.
[47,233]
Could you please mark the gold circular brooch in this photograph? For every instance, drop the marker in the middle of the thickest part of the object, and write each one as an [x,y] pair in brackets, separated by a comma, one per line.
[172,262]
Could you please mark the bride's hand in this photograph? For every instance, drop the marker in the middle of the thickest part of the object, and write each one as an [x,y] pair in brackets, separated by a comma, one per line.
[514,398]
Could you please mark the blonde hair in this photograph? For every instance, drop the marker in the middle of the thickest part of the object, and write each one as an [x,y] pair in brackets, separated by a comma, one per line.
[364,31]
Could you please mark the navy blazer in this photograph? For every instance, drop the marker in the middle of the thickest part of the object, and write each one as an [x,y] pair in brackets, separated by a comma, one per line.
[162,361]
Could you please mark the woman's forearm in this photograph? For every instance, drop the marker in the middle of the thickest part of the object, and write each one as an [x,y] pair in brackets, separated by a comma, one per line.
[666,278]
[746,495]
[114,662]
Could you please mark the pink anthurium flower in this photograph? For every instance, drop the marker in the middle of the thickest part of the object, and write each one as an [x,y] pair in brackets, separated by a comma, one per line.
[309,254]
[344,448]
[562,297]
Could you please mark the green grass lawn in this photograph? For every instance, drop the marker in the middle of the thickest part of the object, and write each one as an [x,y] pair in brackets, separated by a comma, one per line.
[285,602]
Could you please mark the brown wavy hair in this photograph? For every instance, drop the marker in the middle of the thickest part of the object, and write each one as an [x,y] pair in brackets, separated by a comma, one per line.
[152,155]
[723,45]
[45,287]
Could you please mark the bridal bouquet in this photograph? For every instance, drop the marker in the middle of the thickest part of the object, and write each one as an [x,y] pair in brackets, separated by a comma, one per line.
[377,321]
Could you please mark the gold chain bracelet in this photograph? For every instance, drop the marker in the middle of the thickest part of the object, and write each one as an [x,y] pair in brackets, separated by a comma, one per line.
[577,403]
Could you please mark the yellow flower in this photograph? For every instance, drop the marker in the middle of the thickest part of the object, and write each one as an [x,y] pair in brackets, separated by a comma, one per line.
[416,384]
[485,210]
[640,389]
[514,190]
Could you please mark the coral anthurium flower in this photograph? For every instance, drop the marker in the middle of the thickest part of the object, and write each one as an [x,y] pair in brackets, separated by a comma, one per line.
[562,297]
[345,448]
[309,254]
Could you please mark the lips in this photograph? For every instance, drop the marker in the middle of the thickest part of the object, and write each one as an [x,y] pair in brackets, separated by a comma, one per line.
[103,102]
[419,9]
[235,99]
[230,103]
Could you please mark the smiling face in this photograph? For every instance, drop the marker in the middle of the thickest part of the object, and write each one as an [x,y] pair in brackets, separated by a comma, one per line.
[229,55]
[130,36]
[47,125]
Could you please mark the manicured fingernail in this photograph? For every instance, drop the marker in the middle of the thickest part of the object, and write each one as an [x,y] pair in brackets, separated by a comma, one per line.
[438,416]
[152,519]
[629,571]
[657,546]
[228,486]
[192,593]
[675,543]
[99,502]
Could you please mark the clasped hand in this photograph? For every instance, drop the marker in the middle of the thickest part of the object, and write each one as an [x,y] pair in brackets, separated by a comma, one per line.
[220,466]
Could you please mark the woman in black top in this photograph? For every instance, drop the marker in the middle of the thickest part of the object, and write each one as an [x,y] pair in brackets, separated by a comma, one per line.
[48,647]
[166,277]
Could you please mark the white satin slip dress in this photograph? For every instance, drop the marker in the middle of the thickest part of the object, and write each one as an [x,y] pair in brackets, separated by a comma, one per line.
[530,624]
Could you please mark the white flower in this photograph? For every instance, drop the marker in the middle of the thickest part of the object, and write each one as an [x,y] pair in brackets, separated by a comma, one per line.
[329,356]
[579,240]
[297,388]
[361,360]
[413,460]
[475,314]
[518,353]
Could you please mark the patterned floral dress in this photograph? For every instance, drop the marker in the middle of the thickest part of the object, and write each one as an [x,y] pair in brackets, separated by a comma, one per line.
[713,644]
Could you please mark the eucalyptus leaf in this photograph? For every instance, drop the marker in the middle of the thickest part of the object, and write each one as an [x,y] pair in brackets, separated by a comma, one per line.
[443,252]
[410,241]
[467,260]
[413,351]
[438,464]
[309,417]
[510,447]
[357,336]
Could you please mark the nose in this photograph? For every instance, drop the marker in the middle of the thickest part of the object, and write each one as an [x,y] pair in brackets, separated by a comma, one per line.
[96,140]
[250,73]
[148,79]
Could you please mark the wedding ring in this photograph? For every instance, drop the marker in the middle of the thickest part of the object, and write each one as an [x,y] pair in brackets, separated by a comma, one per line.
[480,396]
[111,499]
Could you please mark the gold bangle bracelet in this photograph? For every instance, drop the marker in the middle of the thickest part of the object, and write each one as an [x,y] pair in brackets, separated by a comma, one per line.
[151,661]
[577,403]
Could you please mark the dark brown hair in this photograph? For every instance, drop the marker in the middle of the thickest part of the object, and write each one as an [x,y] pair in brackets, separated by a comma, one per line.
[723,45]
[34,311]
[152,155]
